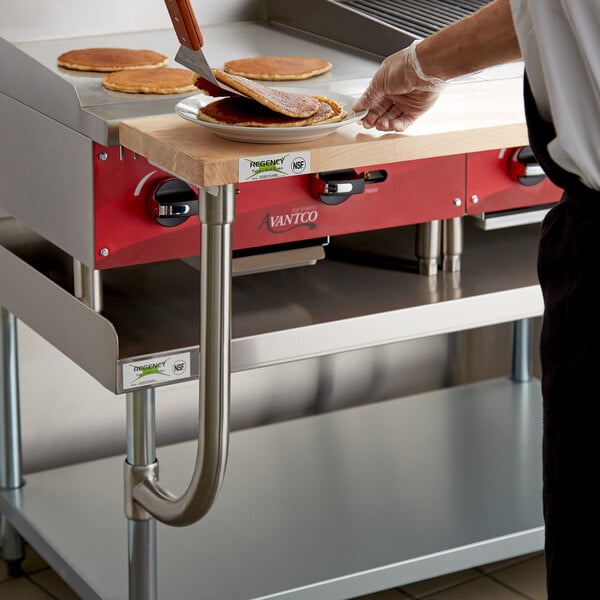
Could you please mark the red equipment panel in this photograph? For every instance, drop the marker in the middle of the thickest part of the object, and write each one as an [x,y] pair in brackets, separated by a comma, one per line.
[491,187]
[288,209]
[274,211]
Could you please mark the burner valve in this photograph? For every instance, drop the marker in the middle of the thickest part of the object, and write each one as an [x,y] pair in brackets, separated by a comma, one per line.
[172,203]
[525,168]
[334,187]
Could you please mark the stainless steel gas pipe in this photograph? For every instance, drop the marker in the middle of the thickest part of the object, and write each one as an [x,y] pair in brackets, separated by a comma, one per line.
[145,497]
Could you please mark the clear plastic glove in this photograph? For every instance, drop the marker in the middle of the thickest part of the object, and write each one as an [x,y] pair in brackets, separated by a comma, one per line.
[399,92]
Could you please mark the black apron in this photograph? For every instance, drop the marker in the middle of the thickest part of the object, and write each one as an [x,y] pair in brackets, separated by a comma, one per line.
[568,268]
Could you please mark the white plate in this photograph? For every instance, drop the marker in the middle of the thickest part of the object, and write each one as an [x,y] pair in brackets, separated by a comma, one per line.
[188,109]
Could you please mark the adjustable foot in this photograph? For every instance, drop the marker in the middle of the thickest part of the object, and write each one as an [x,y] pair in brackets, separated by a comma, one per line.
[15,568]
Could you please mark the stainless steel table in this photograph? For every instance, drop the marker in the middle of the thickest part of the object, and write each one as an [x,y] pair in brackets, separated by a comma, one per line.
[330,506]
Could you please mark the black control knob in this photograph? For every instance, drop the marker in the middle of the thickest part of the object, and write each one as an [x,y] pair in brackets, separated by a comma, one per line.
[172,202]
[336,187]
[524,167]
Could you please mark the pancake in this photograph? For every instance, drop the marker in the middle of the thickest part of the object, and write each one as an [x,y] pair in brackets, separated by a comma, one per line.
[210,89]
[245,112]
[339,114]
[277,68]
[165,80]
[286,103]
[106,60]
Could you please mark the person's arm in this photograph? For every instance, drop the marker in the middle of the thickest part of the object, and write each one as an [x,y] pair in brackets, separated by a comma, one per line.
[484,39]
[408,82]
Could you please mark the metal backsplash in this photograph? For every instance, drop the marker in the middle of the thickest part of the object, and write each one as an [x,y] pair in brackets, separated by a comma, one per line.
[29,20]
[375,26]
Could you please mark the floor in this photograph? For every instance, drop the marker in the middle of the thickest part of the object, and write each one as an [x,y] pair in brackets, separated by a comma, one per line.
[515,579]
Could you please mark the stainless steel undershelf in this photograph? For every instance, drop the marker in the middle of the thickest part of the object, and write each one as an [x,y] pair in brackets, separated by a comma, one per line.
[330,507]
[338,304]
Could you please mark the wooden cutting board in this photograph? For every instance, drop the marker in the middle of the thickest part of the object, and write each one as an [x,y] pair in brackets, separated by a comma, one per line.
[468,117]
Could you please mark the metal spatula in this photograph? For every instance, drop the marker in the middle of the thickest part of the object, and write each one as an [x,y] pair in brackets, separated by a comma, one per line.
[188,32]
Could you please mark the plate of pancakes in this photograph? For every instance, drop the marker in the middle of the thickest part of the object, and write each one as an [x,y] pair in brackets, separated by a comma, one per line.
[279,133]
[268,114]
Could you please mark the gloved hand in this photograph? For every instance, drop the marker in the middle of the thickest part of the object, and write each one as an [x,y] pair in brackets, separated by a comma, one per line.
[399,92]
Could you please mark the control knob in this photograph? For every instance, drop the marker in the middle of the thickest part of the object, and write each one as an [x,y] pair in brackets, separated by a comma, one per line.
[172,202]
[525,168]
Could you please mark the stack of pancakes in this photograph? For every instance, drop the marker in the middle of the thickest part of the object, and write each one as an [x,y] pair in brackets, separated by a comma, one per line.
[262,106]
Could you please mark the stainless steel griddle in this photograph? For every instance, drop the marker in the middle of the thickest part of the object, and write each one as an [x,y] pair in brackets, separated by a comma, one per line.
[29,74]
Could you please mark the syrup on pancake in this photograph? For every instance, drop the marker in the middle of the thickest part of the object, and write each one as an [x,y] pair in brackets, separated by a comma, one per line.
[286,103]
[245,112]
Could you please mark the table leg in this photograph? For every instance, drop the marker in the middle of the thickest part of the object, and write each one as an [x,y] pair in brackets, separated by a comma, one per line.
[452,244]
[428,247]
[141,535]
[521,359]
[11,476]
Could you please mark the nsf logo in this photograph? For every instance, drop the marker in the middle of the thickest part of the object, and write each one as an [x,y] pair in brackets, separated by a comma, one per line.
[298,165]
[179,367]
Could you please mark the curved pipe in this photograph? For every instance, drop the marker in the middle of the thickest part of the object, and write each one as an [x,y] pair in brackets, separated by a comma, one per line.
[217,212]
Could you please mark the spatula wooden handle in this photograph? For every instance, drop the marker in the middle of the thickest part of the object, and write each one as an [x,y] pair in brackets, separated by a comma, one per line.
[185,24]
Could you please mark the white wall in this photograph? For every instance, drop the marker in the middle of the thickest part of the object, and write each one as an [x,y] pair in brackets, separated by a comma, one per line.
[46,19]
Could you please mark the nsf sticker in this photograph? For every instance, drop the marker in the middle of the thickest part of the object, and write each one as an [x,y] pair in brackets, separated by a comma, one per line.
[269,167]
[155,371]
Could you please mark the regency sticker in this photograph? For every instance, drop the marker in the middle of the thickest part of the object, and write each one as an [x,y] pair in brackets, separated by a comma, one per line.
[155,371]
[257,168]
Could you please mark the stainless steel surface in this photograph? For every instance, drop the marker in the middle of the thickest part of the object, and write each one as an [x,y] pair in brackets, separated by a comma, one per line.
[521,354]
[142,555]
[381,26]
[78,100]
[217,213]
[419,17]
[133,475]
[10,421]
[428,247]
[11,471]
[509,218]
[50,190]
[141,533]
[12,546]
[271,261]
[280,316]
[87,285]
[283,259]
[76,581]
[452,244]
[195,61]
[331,506]
[28,286]
[141,427]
